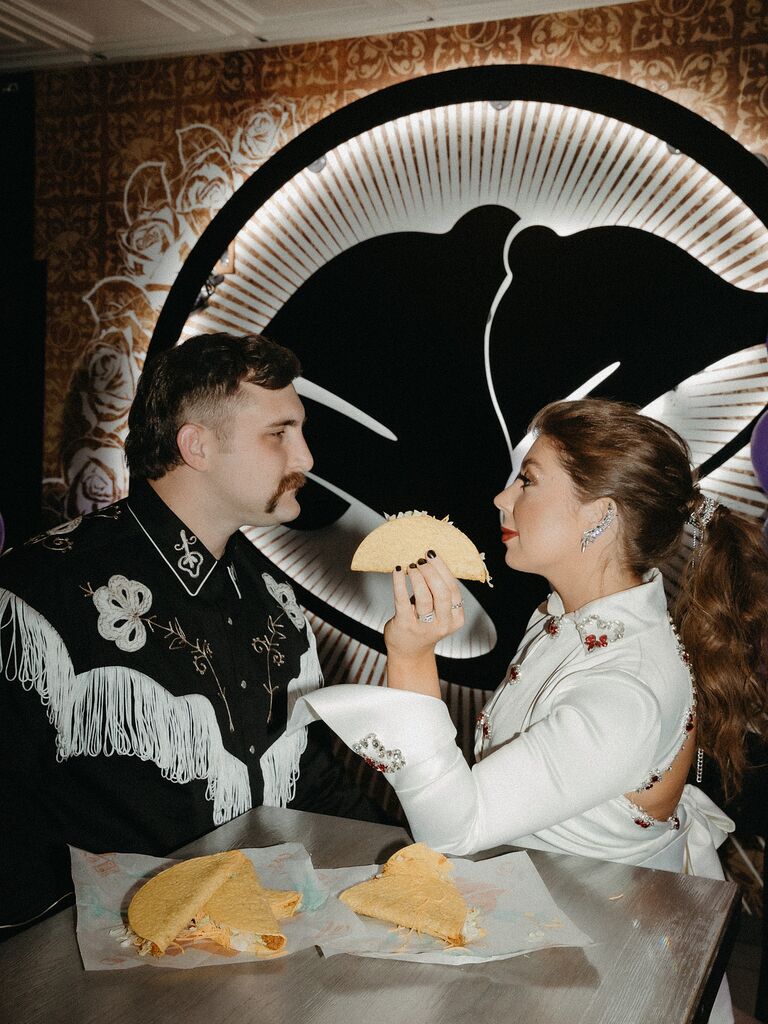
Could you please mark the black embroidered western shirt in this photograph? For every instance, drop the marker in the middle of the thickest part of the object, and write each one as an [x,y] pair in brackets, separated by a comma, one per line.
[144,690]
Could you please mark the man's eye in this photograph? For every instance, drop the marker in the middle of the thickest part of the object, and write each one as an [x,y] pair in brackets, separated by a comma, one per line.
[278,433]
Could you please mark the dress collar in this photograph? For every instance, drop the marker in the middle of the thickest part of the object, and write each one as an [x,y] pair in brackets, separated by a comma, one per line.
[187,557]
[635,608]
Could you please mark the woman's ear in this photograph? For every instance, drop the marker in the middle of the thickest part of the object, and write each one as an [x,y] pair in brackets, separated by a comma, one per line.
[604,508]
[192,441]
[599,516]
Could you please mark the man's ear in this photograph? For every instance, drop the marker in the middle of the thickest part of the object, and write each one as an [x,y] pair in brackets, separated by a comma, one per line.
[193,441]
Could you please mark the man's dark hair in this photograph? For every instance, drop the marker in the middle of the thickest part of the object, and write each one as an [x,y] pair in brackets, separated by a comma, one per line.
[193,382]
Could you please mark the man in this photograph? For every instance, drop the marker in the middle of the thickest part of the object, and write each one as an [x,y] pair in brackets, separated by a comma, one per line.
[149,653]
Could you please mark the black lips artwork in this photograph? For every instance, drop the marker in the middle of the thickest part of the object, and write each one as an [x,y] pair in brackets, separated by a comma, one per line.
[396,327]
[428,251]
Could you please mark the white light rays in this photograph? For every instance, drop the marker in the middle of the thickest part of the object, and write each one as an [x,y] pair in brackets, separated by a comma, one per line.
[711,407]
[307,389]
[556,166]
[553,166]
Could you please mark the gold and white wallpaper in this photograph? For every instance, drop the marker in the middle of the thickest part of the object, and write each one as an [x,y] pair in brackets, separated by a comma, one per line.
[134,160]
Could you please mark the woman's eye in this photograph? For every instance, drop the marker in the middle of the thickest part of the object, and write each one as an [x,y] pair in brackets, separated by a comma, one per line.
[524,480]
[278,433]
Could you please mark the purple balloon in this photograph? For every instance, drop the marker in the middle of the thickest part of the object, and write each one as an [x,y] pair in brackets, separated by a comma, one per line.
[758,448]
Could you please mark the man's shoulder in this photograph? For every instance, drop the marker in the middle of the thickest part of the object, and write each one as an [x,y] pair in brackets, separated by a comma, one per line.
[66,550]
[243,549]
[246,553]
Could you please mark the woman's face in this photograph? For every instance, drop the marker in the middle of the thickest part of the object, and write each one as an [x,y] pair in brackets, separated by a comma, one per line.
[542,518]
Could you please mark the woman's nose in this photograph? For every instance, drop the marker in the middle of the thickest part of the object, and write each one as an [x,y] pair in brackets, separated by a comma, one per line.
[505,500]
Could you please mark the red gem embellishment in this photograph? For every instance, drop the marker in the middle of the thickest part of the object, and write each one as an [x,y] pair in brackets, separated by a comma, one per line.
[596,632]
[593,642]
[513,674]
[484,724]
[552,626]
[642,823]
[689,722]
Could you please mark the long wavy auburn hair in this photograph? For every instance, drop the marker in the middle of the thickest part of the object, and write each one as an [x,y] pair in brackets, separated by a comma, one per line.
[610,449]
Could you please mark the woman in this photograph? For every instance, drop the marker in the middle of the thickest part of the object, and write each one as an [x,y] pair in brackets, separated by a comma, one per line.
[586,745]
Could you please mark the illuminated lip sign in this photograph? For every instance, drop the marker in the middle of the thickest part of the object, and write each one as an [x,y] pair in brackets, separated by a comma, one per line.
[449,254]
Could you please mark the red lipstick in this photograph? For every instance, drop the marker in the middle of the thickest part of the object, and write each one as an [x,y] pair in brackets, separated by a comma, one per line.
[508,534]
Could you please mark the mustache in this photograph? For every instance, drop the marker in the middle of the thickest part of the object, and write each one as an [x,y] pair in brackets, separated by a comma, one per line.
[291,482]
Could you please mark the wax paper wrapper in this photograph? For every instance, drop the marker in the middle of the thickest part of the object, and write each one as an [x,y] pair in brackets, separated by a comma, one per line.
[105,884]
[514,909]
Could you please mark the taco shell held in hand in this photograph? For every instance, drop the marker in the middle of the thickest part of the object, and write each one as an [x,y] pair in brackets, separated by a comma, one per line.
[217,898]
[406,537]
[414,890]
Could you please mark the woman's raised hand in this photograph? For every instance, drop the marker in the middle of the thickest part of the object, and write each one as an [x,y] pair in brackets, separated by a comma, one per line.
[435,611]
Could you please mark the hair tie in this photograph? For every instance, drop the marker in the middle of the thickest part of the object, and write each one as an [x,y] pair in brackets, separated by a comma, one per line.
[701,517]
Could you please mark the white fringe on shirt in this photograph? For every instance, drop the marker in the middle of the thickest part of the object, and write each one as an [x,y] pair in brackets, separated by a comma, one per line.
[280,763]
[119,710]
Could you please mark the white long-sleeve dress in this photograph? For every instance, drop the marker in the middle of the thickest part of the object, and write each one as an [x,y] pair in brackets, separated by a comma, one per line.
[595,705]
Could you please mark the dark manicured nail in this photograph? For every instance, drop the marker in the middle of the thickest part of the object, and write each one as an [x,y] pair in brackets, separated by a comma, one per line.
[412,599]
[431,554]
[398,568]
[422,561]
[412,565]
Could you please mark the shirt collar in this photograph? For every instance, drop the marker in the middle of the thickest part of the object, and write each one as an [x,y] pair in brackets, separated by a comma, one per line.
[185,555]
[636,607]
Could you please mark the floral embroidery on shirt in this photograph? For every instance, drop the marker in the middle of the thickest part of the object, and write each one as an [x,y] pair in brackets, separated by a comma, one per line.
[201,651]
[269,644]
[121,604]
[190,561]
[285,597]
[56,539]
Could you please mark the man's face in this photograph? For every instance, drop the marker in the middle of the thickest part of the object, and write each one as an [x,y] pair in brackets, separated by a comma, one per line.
[258,458]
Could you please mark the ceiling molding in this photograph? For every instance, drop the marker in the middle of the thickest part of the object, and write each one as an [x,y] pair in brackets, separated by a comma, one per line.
[64,33]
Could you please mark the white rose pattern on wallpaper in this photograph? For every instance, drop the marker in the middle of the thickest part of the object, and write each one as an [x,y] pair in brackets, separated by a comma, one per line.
[164,217]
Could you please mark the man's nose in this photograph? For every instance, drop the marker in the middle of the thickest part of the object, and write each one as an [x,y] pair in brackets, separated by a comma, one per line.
[303,456]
